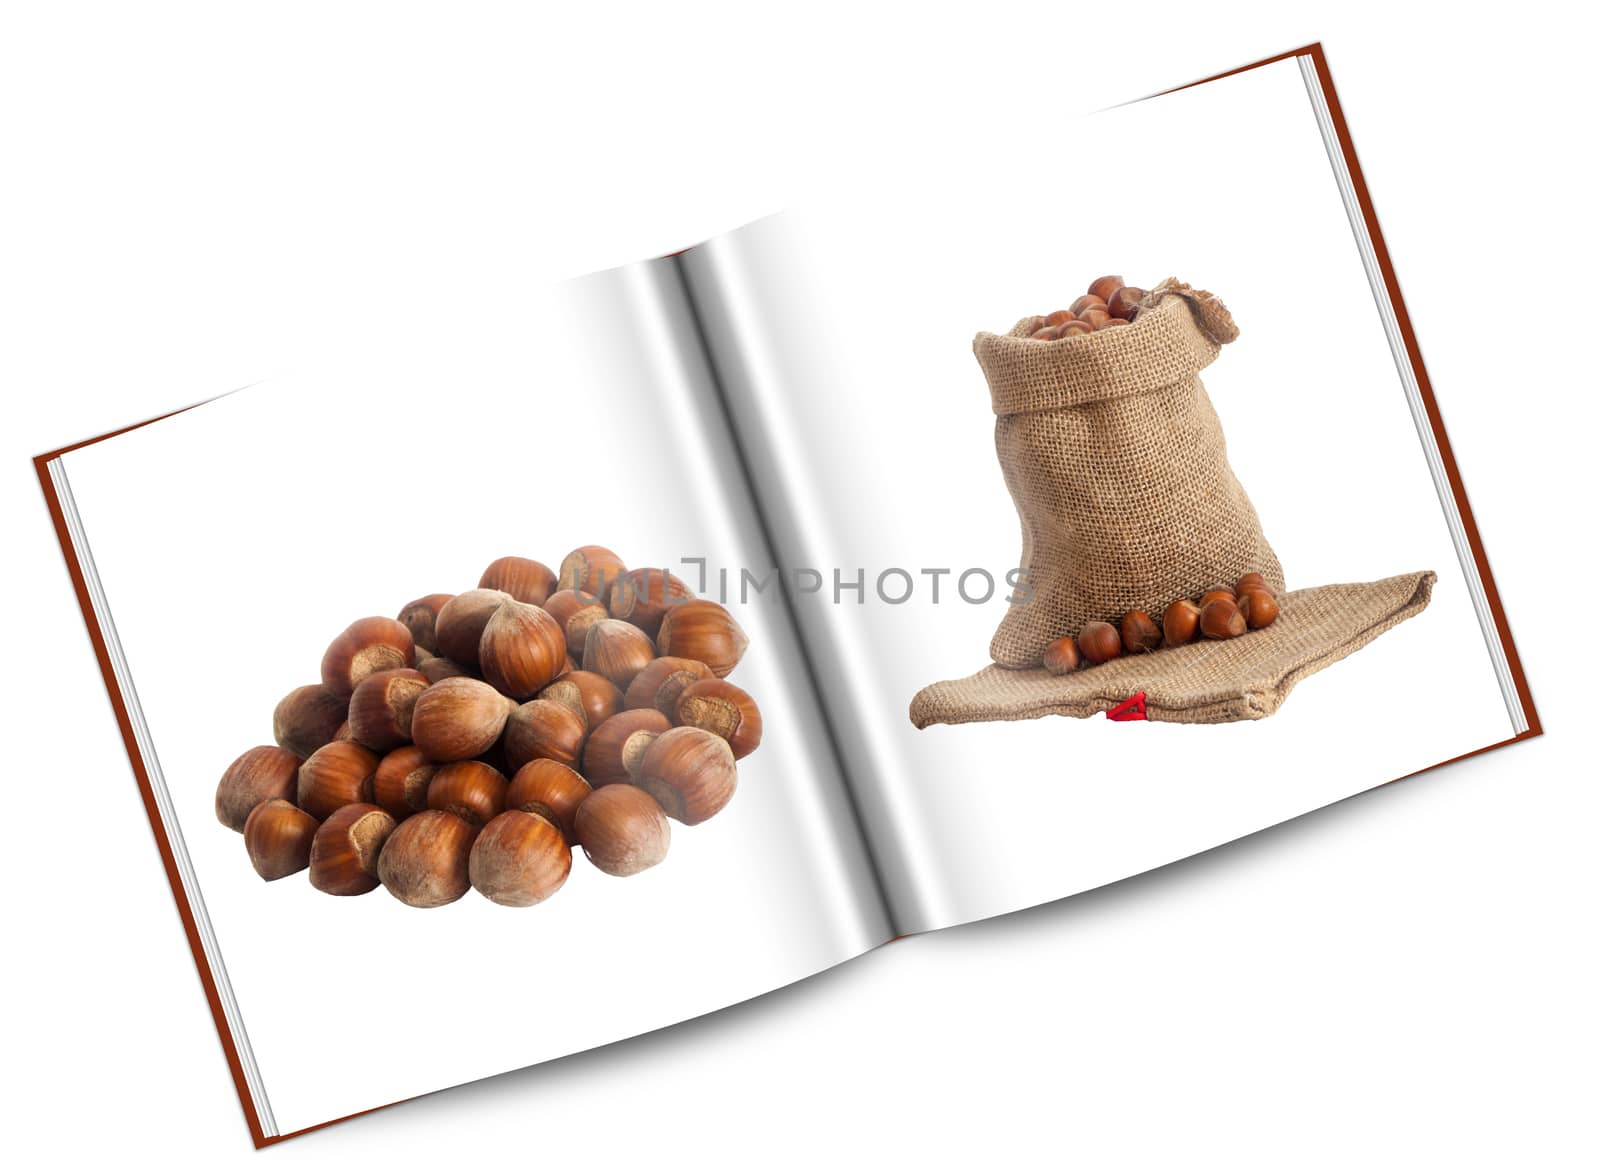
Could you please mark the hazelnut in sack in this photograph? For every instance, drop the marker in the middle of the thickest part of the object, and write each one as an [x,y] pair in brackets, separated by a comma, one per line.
[1118,467]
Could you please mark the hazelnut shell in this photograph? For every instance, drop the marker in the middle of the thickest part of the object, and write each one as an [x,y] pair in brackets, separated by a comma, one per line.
[400,785]
[594,697]
[643,597]
[703,630]
[519,859]
[552,789]
[419,617]
[260,774]
[543,729]
[691,773]
[277,835]
[345,850]
[522,649]
[617,650]
[1061,656]
[591,568]
[307,717]
[367,646]
[472,790]
[458,718]
[727,711]
[338,774]
[424,861]
[614,743]
[623,831]
[380,708]
[459,626]
[523,578]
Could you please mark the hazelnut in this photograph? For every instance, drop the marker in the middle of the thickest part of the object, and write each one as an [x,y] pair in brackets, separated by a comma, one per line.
[419,617]
[439,667]
[691,773]
[594,697]
[1123,303]
[704,631]
[1096,318]
[523,578]
[277,835]
[459,626]
[575,611]
[519,859]
[1140,635]
[1083,302]
[1057,318]
[616,742]
[424,861]
[1252,581]
[1106,286]
[552,789]
[1115,323]
[1220,618]
[367,646]
[522,649]
[474,791]
[260,774]
[458,718]
[394,768]
[1061,656]
[623,831]
[643,597]
[400,785]
[1259,608]
[617,650]
[380,708]
[1181,623]
[1076,327]
[1099,642]
[344,852]
[307,717]
[338,774]
[725,710]
[591,568]
[659,684]
[1045,334]
[1219,592]
[543,729]
[1036,323]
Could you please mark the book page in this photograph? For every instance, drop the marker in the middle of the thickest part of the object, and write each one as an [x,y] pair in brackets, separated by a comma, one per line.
[844,336]
[235,540]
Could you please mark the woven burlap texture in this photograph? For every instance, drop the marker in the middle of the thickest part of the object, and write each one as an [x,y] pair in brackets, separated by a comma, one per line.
[1203,682]
[1118,468]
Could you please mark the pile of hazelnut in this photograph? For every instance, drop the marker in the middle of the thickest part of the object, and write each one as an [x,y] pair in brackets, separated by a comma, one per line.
[474,738]
[1108,303]
[1224,612]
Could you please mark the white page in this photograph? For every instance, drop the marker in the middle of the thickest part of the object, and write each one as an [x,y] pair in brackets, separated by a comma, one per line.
[236,539]
[845,331]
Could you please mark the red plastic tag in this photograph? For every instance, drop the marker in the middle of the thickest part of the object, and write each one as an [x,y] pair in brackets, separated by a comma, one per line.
[1129,710]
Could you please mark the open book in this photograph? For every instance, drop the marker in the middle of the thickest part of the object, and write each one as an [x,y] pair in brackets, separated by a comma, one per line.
[788,418]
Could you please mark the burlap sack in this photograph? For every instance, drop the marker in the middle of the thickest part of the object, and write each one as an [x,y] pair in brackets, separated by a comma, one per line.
[1118,468]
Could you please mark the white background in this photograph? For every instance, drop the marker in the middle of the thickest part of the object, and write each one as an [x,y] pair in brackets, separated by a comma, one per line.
[194,200]
[1227,185]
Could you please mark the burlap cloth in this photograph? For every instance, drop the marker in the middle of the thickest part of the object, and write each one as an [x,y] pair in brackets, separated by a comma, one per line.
[1204,682]
[1117,464]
